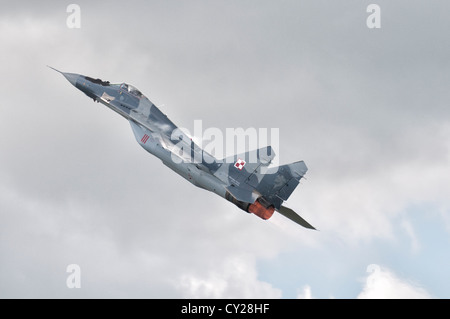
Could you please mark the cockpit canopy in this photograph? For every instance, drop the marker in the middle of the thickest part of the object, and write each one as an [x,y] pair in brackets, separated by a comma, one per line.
[124,86]
[131,89]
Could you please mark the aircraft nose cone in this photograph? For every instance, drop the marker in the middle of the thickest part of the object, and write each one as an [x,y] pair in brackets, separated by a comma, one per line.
[72,78]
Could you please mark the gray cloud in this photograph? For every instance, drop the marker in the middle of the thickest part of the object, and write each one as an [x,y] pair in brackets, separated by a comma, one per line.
[366,109]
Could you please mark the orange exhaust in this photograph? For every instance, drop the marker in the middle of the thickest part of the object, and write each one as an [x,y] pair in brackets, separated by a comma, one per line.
[261,211]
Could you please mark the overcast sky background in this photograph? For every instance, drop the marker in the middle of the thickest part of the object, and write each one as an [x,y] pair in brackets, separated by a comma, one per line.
[366,109]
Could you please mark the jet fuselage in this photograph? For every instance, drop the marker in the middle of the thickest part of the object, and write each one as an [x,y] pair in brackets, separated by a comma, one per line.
[239,179]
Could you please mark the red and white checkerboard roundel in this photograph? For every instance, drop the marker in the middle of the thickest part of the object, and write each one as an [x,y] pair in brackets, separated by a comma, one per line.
[239,164]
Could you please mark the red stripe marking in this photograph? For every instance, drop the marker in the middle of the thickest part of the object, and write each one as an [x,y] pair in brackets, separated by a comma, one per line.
[145,139]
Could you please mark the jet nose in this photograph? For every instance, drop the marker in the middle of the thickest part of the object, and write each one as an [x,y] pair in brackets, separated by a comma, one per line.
[72,78]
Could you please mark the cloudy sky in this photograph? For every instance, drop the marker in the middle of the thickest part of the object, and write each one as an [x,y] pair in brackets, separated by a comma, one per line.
[366,109]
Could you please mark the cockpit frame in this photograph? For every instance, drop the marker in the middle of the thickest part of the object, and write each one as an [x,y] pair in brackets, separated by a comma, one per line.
[131,90]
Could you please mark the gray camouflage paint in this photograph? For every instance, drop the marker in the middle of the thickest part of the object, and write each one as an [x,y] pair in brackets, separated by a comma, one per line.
[242,183]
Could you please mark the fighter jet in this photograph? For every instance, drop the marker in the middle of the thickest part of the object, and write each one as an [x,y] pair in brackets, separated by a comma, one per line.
[245,180]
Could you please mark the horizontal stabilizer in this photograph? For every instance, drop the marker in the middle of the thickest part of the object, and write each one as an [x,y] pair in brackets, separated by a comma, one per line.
[289,213]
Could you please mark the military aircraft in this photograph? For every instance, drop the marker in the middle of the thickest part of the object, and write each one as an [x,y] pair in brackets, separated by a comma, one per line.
[246,179]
